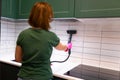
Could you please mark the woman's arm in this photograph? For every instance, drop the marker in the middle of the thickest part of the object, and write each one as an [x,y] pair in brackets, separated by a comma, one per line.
[18,54]
[61,46]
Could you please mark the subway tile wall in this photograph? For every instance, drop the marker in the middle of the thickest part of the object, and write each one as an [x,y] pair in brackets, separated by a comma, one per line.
[7,43]
[97,42]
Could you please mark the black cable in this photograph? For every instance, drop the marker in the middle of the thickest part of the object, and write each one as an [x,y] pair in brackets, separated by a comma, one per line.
[69,52]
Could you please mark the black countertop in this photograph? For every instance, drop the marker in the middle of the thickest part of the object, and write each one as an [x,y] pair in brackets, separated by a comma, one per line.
[87,72]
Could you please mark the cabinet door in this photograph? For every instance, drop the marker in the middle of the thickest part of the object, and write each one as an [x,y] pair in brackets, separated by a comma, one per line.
[0,72]
[24,7]
[8,72]
[62,8]
[97,8]
[9,8]
[0,9]
[4,8]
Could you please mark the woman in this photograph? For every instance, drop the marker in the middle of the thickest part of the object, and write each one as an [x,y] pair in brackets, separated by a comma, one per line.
[34,45]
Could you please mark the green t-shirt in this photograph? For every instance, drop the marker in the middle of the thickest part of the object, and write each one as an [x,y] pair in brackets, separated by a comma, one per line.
[37,46]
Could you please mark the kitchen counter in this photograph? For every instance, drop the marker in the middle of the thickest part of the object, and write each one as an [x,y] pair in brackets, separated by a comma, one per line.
[59,69]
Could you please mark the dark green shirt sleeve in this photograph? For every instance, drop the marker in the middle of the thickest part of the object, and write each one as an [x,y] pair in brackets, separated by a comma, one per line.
[54,40]
[19,39]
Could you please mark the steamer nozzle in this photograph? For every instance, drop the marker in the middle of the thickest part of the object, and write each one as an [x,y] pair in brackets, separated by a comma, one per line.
[71,31]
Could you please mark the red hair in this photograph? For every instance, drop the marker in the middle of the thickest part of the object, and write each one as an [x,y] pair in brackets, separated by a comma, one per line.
[40,16]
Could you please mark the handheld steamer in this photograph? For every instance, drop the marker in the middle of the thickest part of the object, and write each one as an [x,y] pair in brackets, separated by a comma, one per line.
[70,32]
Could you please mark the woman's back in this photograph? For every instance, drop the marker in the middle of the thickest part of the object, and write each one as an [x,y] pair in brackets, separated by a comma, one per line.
[37,49]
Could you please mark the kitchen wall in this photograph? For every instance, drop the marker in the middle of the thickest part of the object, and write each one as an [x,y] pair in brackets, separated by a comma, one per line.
[97,42]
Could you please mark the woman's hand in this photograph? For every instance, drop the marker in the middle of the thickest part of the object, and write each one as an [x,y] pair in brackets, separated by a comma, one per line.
[69,46]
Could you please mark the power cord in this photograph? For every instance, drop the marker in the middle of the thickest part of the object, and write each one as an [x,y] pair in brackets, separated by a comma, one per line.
[69,52]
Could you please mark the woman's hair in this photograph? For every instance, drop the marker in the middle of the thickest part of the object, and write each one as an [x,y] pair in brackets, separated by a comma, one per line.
[40,16]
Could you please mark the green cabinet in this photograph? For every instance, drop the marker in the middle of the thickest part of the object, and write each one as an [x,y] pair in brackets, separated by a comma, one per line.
[20,9]
[9,8]
[24,7]
[97,8]
[62,8]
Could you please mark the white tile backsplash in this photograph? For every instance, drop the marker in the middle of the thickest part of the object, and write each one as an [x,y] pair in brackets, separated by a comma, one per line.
[92,34]
[111,40]
[111,34]
[111,53]
[92,27]
[78,55]
[108,65]
[110,59]
[91,56]
[90,62]
[97,42]
[77,49]
[92,45]
[113,47]
[91,51]
[92,39]
[110,27]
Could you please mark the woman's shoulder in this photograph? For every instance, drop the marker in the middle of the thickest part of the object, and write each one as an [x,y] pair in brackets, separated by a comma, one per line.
[52,33]
[24,31]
